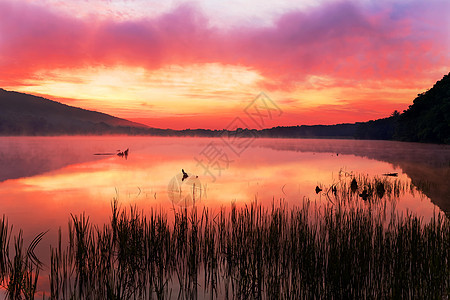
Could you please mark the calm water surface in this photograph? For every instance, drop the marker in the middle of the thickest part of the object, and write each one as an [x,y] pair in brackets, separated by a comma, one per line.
[45,179]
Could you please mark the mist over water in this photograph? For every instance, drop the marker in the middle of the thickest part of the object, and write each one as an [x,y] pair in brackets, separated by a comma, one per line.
[63,173]
[45,180]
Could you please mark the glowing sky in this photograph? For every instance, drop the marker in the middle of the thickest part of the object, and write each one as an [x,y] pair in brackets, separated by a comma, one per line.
[191,64]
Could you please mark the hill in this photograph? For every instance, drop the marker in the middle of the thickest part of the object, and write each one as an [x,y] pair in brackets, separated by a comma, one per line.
[428,118]
[23,114]
[311,131]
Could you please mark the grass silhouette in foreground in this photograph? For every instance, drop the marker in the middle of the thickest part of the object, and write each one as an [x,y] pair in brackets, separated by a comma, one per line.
[353,248]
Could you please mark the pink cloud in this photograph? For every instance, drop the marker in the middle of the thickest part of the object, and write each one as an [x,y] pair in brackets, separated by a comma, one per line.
[337,39]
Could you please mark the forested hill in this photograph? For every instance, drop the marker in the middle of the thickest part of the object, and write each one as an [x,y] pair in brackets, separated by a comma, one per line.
[428,118]
[23,114]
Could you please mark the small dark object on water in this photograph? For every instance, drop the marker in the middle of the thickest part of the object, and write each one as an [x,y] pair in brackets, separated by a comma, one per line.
[124,153]
[364,195]
[185,175]
[391,174]
[354,185]
[318,189]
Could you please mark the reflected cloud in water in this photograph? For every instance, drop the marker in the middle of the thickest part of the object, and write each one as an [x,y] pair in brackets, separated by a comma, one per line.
[63,172]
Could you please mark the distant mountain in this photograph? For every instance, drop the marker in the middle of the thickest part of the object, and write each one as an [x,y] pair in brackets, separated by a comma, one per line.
[426,120]
[310,131]
[23,114]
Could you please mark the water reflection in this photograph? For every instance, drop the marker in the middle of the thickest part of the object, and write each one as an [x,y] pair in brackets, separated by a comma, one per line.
[44,180]
[428,166]
[29,156]
[65,170]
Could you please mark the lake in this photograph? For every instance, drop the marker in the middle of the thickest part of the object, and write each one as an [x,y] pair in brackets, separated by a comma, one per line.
[43,180]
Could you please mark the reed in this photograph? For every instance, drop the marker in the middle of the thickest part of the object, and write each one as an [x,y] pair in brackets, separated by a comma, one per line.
[348,248]
[257,252]
[19,272]
[5,233]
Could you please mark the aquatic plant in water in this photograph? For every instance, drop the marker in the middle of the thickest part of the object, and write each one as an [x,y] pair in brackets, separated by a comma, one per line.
[347,248]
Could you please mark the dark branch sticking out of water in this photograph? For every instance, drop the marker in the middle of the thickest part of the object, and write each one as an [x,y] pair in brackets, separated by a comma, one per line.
[343,250]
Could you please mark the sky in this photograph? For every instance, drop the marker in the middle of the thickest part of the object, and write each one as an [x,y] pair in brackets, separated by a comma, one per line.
[199,64]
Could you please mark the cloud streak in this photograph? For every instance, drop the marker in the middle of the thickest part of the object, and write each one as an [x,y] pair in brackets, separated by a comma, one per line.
[340,39]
